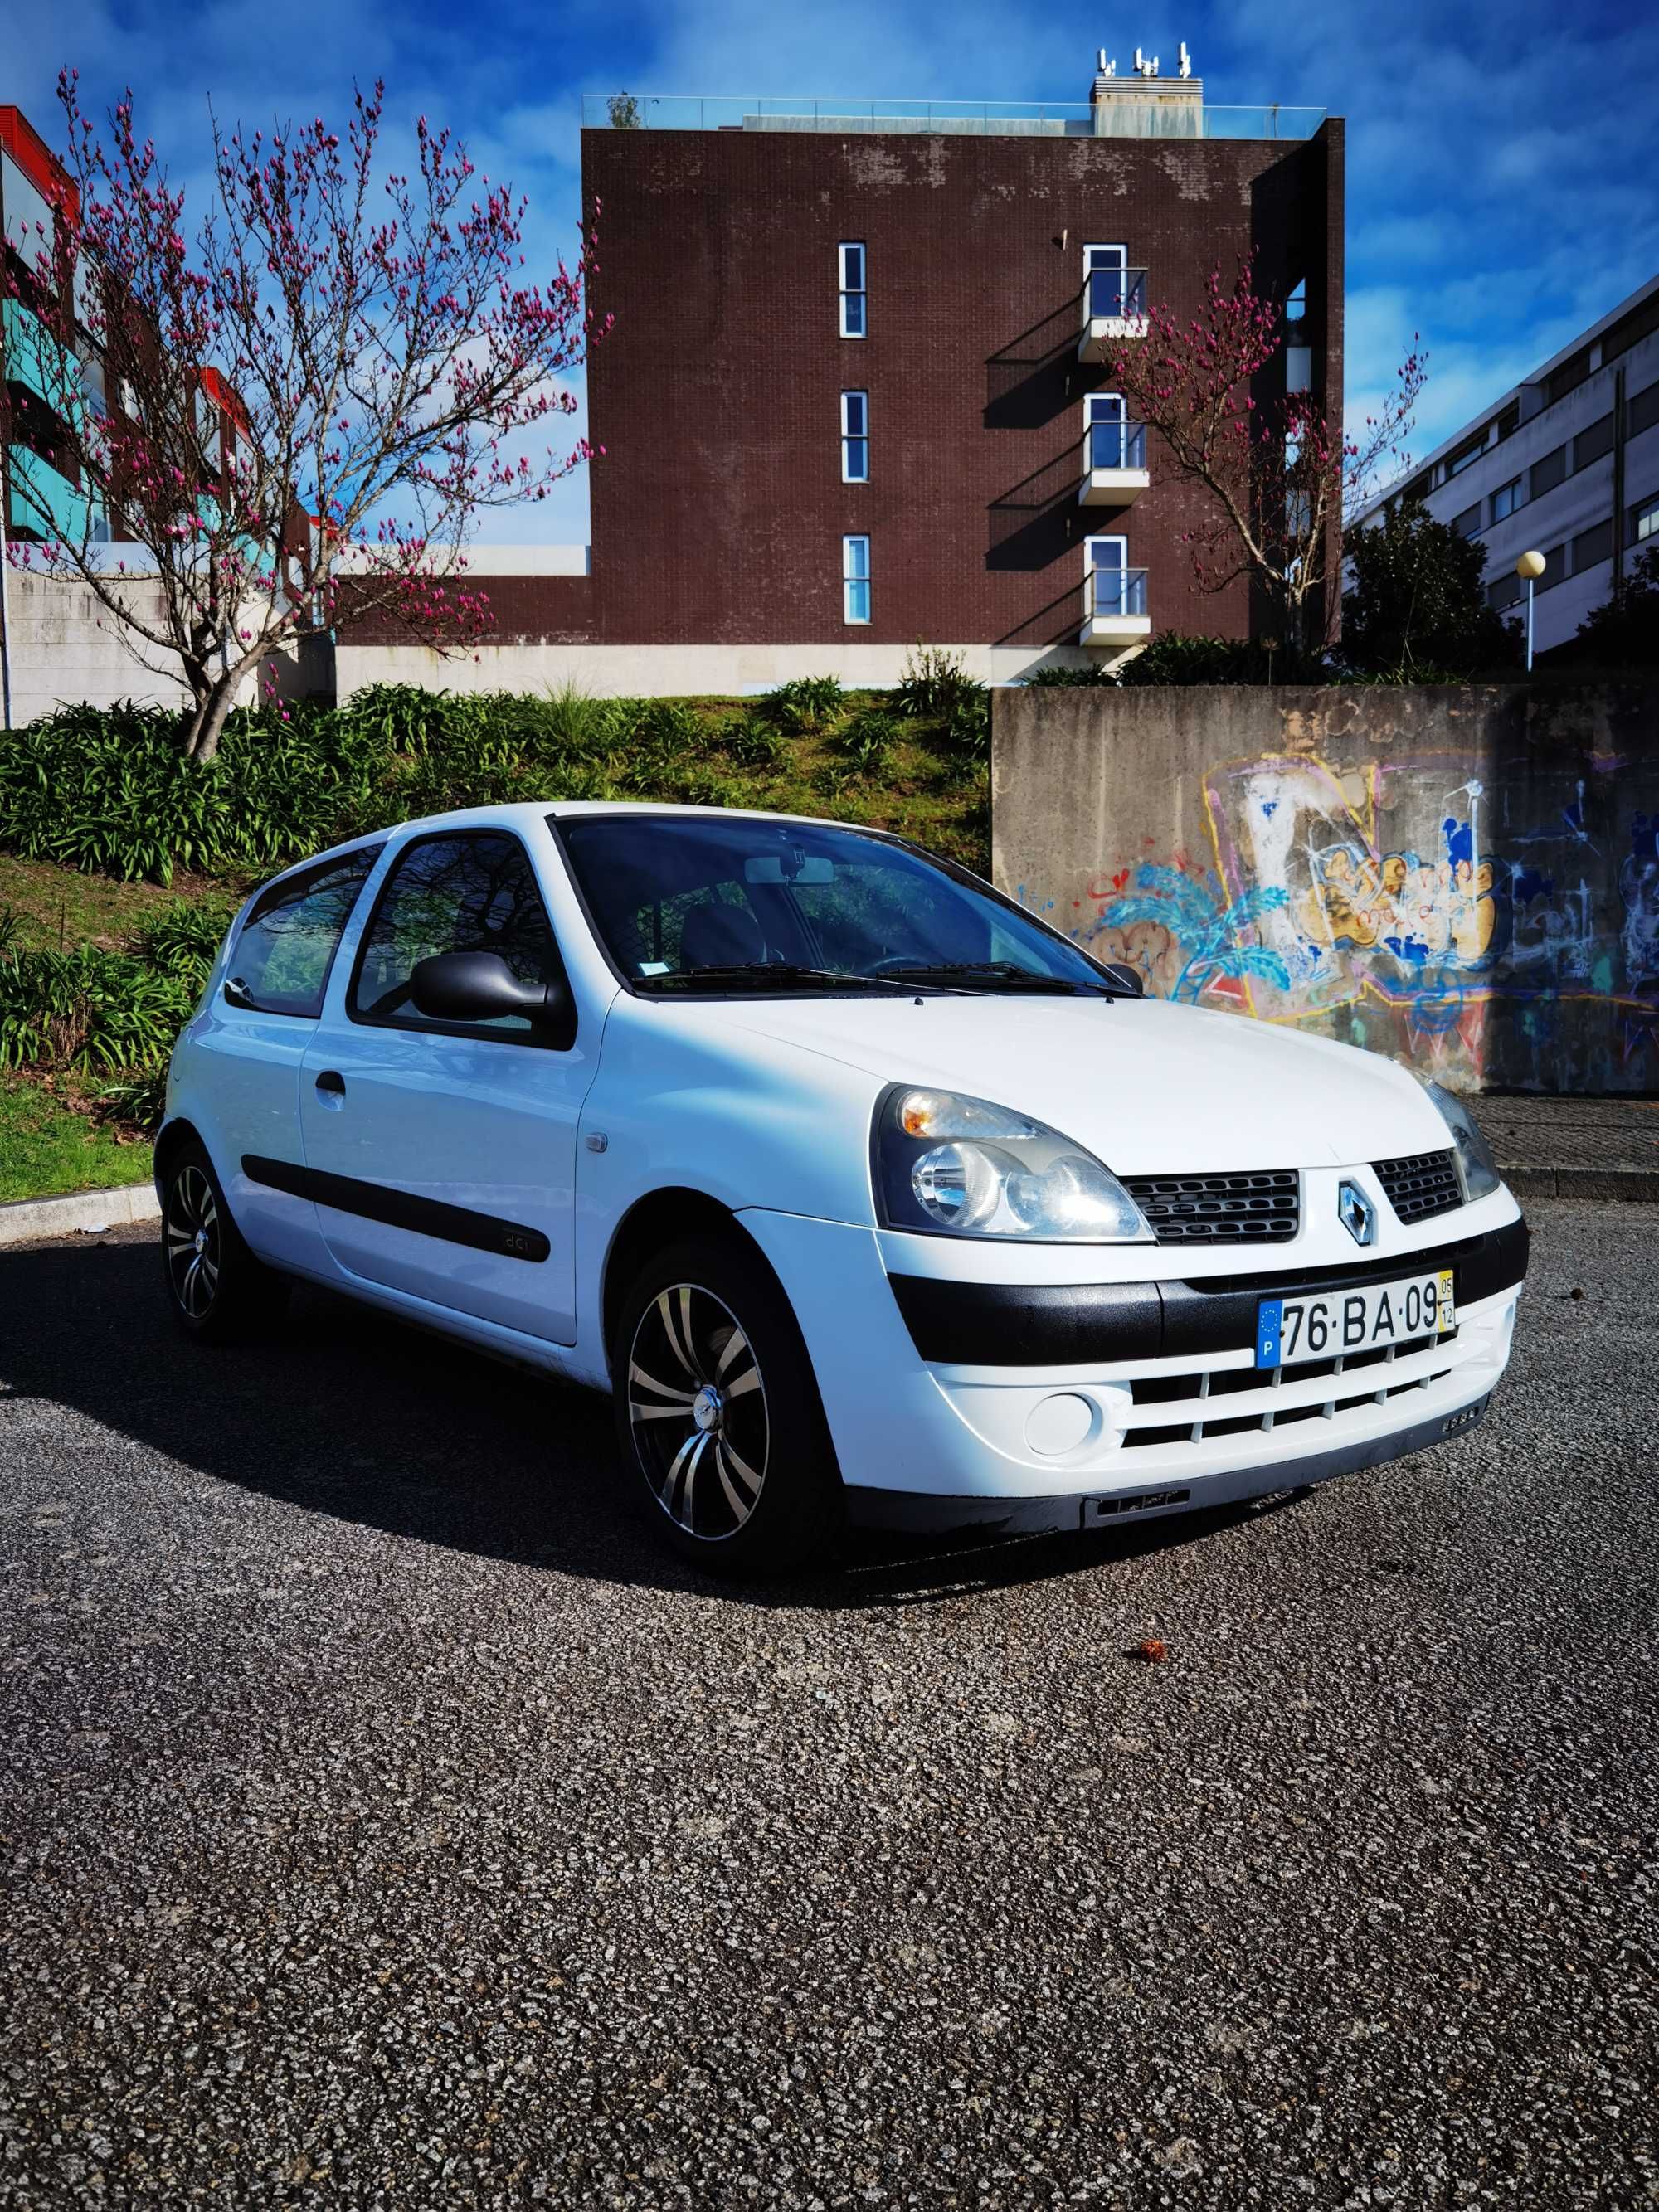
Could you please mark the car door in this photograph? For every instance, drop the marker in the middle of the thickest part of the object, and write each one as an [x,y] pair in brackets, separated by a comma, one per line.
[443,1155]
[248,1043]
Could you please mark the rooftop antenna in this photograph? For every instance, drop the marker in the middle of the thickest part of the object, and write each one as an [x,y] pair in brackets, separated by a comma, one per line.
[1143,66]
[1103,67]
[1185,60]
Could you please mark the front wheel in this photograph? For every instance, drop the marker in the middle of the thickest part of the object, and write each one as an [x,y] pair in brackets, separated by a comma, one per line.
[718,1415]
[218,1291]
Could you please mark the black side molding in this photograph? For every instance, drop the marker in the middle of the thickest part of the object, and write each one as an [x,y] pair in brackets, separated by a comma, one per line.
[1044,1325]
[400,1209]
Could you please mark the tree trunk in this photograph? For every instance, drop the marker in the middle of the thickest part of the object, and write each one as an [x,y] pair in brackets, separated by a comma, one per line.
[208,721]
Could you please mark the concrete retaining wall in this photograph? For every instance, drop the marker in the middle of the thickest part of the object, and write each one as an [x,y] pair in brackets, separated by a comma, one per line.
[1468,877]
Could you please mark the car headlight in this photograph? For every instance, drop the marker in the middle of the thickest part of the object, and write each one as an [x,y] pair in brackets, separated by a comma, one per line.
[963,1167]
[1475,1164]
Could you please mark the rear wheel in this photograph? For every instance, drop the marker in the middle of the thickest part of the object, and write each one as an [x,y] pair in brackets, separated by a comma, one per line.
[718,1414]
[216,1288]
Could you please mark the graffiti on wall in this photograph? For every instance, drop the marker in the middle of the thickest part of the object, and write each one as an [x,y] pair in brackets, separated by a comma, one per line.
[1405,906]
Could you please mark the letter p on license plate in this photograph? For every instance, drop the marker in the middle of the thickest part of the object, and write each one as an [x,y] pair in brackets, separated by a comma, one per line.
[1334,1324]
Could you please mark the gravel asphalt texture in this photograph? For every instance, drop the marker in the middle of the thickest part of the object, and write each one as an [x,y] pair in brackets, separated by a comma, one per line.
[384,1821]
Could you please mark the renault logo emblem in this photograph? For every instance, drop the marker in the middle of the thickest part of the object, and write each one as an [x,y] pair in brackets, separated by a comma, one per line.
[1357,1214]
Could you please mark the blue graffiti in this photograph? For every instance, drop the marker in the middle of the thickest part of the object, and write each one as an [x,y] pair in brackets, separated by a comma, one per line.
[1205,924]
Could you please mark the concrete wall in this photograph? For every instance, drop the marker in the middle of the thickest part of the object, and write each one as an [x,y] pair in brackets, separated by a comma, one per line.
[1468,877]
[66,648]
[609,672]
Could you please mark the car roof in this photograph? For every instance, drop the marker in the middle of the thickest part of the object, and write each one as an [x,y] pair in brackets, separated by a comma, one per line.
[522,813]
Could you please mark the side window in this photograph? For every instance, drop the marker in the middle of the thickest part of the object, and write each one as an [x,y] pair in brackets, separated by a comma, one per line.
[855,437]
[287,946]
[475,892]
[852,291]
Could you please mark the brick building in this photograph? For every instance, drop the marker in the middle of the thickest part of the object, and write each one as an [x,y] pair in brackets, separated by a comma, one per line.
[851,397]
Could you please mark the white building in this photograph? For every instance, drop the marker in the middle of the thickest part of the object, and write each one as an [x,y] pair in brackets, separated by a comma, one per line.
[1566,464]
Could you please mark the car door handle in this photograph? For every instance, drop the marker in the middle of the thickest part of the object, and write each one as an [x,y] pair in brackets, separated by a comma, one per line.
[331,1081]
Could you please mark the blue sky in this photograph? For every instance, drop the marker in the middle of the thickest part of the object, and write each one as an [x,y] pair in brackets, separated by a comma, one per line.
[1501,187]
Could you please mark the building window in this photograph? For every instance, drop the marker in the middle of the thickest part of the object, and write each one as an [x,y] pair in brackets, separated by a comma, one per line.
[1643,411]
[1555,567]
[1507,498]
[1469,522]
[855,437]
[856,580]
[1547,473]
[1298,368]
[1505,593]
[1592,546]
[1114,442]
[1458,462]
[1295,307]
[92,382]
[1114,290]
[853,290]
[1644,521]
[1592,442]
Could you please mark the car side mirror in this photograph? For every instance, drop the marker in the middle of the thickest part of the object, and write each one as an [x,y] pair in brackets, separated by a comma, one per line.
[480,987]
[1122,977]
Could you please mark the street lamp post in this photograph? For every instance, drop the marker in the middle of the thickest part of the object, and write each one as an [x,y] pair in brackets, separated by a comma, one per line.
[1530,566]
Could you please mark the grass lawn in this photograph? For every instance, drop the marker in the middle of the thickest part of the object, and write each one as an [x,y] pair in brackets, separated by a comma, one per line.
[47,1147]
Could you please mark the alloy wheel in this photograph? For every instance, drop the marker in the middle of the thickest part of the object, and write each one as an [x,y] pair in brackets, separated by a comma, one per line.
[193,1242]
[696,1407]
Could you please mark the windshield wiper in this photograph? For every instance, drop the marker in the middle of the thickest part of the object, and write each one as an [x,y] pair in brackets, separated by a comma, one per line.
[995,974]
[740,972]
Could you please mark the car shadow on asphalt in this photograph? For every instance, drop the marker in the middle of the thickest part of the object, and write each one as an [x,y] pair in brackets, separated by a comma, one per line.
[348,1412]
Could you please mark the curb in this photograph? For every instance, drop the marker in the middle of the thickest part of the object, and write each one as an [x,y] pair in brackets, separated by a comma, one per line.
[24,1220]
[1634,1186]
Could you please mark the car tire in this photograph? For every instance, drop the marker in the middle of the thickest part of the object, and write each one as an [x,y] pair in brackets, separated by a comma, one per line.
[218,1292]
[719,1422]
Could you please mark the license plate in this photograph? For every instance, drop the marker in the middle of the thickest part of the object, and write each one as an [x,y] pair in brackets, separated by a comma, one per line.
[1329,1324]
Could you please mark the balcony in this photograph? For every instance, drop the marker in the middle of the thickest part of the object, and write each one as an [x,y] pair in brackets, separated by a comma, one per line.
[44,505]
[1115,608]
[1114,307]
[1114,471]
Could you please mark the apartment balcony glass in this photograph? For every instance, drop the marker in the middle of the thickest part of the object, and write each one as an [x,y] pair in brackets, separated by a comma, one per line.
[1114,471]
[1113,302]
[1114,607]
[27,351]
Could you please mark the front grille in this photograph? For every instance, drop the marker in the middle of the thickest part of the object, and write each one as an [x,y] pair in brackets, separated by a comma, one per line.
[1257,1394]
[1264,1208]
[1421,1185]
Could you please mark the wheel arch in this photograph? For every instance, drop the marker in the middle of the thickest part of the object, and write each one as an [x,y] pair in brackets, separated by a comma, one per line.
[174,1135]
[658,1219]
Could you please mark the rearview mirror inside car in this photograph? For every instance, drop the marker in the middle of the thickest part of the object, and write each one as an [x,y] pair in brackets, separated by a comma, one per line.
[794,868]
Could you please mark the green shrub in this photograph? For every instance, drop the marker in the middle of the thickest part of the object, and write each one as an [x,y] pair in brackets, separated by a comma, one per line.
[88,1010]
[141,1100]
[867,741]
[1059,679]
[1170,658]
[805,703]
[183,941]
[933,681]
[752,742]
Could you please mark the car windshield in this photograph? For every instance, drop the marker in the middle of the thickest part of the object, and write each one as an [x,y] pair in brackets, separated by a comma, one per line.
[728,903]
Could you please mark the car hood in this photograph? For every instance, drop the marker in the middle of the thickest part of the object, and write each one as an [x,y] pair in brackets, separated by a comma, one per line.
[1151,1088]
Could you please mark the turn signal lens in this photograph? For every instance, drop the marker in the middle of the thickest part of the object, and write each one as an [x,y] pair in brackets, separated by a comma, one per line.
[934,1116]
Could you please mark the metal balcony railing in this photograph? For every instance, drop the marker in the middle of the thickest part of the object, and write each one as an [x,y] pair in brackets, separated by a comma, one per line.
[1114,592]
[1125,117]
[1113,296]
[1114,445]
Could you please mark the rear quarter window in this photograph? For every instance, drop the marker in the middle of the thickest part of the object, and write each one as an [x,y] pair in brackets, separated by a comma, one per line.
[286,947]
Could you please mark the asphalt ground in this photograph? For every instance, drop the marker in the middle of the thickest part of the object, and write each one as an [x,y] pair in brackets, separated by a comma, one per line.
[384,1821]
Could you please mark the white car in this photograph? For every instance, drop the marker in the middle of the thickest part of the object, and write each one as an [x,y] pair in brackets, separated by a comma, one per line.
[866,1194]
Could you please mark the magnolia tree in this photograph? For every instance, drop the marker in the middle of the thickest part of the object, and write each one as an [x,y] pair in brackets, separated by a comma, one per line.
[296,413]
[1278,476]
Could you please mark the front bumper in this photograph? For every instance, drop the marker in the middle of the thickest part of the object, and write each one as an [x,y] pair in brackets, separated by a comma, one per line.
[953,1397]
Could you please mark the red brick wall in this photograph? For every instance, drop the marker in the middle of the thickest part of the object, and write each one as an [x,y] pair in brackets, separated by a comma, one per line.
[718,507]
